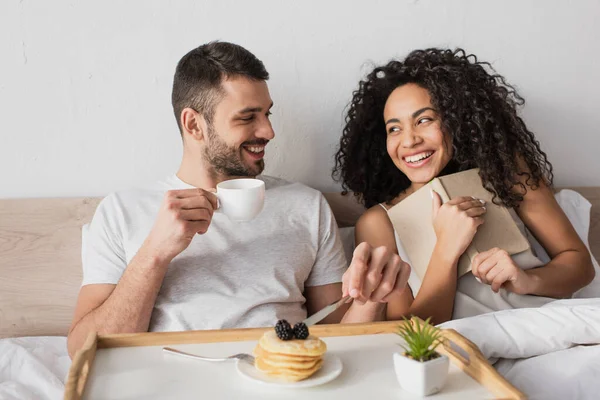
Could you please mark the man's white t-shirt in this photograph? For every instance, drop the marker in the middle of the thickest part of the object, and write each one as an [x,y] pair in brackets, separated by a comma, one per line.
[237,274]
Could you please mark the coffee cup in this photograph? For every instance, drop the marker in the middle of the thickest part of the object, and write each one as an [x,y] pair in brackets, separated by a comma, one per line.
[241,199]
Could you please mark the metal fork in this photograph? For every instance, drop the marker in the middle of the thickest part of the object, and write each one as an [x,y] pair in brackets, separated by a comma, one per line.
[241,356]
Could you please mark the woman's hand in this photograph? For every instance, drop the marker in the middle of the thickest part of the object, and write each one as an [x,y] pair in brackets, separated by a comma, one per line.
[495,267]
[455,223]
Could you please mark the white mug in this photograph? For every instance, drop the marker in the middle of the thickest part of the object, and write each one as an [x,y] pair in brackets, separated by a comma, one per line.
[241,199]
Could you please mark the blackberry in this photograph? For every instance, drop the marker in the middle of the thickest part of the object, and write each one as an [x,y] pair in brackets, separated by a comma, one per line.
[300,331]
[284,330]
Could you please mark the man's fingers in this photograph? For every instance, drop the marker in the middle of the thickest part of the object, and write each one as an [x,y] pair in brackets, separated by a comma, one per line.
[401,282]
[212,197]
[183,193]
[362,252]
[390,275]
[380,257]
[358,269]
[199,227]
[200,201]
[191,194]
[345,285]
[198,214]
[203,198]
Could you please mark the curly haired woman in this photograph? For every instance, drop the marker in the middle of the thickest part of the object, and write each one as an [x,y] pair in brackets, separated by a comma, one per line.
[438,112]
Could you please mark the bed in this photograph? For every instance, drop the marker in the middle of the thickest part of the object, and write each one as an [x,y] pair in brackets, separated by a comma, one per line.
[40,275]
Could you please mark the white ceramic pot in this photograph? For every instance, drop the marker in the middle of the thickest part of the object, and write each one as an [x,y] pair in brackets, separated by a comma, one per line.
[421,378]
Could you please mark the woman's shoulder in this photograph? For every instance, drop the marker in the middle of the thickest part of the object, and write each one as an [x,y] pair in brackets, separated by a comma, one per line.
[375,217]
[375,227]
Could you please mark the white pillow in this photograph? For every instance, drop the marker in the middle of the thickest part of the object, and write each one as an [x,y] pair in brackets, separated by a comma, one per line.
[528,332]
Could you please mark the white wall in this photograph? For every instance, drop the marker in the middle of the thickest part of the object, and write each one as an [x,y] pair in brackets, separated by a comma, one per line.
[85,85]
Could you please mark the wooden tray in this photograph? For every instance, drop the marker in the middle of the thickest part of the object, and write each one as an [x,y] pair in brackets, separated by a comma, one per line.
[461,352]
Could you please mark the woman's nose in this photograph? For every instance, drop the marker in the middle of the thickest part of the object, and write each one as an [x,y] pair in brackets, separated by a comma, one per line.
[409,138]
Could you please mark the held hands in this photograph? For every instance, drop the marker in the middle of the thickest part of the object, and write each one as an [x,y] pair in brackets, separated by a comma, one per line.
[375,274]
[183,214]
[495,267]
[455,223]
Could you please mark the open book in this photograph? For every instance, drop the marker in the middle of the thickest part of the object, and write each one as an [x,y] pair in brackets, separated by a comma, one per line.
[412,221]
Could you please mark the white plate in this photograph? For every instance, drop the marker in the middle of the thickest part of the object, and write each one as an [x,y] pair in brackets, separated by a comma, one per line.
[331,369]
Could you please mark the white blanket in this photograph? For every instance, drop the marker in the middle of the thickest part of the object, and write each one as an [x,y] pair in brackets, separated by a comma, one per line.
[552,352]
[33,368]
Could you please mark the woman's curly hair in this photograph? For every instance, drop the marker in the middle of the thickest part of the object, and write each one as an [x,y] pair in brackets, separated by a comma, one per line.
[478,110]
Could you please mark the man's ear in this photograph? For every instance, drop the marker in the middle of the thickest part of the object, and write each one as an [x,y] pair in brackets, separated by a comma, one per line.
[193,124]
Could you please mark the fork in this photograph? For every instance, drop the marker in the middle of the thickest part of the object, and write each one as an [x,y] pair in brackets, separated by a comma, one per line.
[240,356]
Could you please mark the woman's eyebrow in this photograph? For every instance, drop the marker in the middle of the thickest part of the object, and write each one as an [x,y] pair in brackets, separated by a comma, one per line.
[414,115]
[421,111]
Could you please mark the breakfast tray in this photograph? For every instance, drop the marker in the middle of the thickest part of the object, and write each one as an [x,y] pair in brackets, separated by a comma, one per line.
[462,353]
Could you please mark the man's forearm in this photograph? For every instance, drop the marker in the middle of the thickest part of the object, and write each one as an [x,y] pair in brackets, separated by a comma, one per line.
[129,307]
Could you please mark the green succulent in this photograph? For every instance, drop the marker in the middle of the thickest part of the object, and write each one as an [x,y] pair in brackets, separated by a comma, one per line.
[421,339]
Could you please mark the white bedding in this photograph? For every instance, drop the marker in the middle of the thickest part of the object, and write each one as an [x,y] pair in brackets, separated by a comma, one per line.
[33,368]
[552,352]
[565,374]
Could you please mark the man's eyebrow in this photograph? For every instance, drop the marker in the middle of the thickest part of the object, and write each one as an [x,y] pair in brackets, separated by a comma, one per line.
[253,109]
[414,115]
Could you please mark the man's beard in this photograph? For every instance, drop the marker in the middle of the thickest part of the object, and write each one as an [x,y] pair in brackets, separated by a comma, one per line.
[227,161]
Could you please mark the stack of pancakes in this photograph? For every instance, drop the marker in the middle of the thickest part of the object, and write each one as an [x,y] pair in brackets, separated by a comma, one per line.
[289,360]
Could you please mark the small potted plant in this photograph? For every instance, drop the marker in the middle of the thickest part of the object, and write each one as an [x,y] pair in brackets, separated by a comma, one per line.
[420,369]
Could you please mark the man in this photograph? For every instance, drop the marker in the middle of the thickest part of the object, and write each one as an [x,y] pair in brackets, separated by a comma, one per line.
[160,259]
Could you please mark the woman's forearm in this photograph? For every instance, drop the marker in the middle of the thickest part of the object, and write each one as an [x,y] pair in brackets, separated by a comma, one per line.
[568,272]
[435,298]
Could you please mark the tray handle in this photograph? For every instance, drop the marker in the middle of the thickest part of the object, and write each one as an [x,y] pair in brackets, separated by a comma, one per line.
[476,365]
[80,368]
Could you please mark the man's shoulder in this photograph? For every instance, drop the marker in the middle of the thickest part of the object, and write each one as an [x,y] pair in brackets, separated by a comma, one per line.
[131,199]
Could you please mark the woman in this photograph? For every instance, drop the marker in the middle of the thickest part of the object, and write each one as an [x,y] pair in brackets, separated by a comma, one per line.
[439,112]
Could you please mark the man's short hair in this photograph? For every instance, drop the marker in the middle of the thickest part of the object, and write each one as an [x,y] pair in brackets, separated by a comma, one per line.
[198,76]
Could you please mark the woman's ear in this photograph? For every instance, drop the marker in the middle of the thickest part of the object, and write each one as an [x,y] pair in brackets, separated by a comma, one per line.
[193,124]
